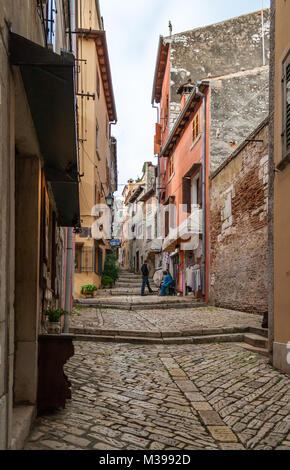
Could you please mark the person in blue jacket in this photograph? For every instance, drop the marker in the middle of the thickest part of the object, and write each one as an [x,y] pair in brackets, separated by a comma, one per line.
[167,282]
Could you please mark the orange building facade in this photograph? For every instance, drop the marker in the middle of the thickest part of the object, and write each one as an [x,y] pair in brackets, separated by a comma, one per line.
[183,173]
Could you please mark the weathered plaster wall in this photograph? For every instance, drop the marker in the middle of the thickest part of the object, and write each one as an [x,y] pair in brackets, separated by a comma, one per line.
[239,229]
[16,130]
[218,49]
[239,102]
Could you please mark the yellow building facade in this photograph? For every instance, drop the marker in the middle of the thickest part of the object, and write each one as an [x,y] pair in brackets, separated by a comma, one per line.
[97,148]
[280,184]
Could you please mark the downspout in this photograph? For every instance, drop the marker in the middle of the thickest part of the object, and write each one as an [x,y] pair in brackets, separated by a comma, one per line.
[158,231]
[69,269]
[68,278]
[271,186]
[203,96]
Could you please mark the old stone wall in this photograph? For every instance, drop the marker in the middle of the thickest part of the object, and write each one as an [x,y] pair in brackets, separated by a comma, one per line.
[239,102]
[239,228]
[218,49]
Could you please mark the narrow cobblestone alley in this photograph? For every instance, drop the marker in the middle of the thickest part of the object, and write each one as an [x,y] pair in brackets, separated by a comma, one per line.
[167,396]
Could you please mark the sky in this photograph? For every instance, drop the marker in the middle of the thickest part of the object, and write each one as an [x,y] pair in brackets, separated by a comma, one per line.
[133,28]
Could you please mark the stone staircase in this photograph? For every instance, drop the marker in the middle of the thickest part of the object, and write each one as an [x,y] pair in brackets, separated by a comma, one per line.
[126,294]
[239,335]
[127,284]
[256,340]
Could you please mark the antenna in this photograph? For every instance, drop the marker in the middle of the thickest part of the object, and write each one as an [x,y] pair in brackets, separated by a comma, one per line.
[170,28]
[263,34]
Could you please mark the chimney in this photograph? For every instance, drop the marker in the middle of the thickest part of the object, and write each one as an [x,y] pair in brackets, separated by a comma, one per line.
[185,90]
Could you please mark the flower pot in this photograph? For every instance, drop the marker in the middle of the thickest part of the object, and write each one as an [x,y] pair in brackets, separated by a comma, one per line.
[53,328]
[88,293]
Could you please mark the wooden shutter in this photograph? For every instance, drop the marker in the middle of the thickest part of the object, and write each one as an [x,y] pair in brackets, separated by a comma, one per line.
[287,106]
[186,193]
[166,223]
[199,189]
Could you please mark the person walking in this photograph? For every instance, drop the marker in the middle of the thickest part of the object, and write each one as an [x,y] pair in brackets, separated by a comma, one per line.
[145,278]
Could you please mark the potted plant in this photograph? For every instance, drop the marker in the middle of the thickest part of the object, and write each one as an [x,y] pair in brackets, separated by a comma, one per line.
[107,281]
[88,290]
[54,315]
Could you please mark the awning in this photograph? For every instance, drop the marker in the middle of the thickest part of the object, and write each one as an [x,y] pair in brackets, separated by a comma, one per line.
[49,84]
[188,229]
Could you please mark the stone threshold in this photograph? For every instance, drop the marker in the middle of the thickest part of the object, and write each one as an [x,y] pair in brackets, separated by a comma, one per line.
[202,337]
[23,417]
[233,338]
[159,334]
[142,306]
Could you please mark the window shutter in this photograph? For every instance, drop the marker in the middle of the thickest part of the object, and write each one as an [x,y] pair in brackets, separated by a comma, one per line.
[199,190]
[287,105]
[186,193]
[166,223]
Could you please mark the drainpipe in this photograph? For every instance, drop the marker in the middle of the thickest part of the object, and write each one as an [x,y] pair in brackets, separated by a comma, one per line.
[202,95]
[157,176]
[69,267]
[68,278]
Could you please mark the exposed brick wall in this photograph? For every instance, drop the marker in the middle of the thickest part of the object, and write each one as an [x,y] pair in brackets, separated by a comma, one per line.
[239,229]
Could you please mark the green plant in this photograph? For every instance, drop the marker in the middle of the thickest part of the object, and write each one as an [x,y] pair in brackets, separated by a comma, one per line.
[88,288]
[107,281]
[110,268]
[54,314]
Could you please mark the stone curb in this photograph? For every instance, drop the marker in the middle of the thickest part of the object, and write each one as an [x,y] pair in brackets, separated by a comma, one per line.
[141,306]
[206,332]
[223,338]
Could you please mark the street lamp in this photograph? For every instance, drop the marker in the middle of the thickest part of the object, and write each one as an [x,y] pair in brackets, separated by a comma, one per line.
[109,200]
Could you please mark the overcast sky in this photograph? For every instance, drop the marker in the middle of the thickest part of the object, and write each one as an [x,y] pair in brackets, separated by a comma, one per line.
[133,28]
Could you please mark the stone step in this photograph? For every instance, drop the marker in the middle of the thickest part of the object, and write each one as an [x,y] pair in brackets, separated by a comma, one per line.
[123,292]
[126,304]
[233,338]
[125,283]
[166,335]
[129,276]
[256,340]
[259,331]
[254,349]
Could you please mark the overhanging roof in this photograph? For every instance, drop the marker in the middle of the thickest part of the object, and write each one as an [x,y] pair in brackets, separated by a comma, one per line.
[49,84]
[114,163]
[182,121]
[136,193]
[160,68]
[99,36]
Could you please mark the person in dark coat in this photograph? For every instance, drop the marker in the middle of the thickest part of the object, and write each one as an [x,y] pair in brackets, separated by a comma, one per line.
[145,278]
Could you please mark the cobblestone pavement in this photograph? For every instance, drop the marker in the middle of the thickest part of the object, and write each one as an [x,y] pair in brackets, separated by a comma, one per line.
[162,320]
[133,397]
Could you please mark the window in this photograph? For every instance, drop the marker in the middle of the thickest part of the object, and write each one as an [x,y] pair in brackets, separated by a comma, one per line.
[100,262]
[98,84]
[78,251]
[97,135]
[195,186]
[50,22]
[86,232]
[107,127]
[85,259]
[171,165]
[196,127]
[165,114]
[186,193]
[286,113]
[149,233]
